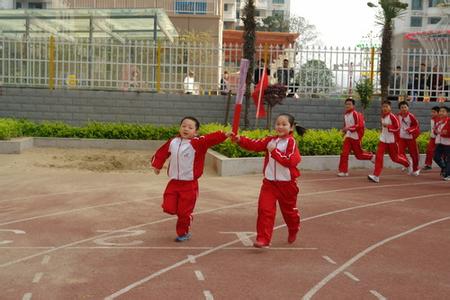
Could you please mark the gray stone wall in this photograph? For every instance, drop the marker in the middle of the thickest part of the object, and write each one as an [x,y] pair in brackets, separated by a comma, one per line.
[77,107]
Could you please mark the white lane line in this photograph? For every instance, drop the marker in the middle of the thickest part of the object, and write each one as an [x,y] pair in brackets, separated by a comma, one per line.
[328,259]
[199,275]
[378,295]
[208,295]
[243,236]
[191,259]
[10,263]
[45,260]
[74,192]
[351,276]
[64,212]
[361,254]
[182,262]
[27,296]
[37,277]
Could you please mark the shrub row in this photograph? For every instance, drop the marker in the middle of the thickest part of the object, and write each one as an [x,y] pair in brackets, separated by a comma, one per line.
[314,142]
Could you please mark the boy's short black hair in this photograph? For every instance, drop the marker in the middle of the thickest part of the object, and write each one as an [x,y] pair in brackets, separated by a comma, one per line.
[387,102]
[351,100]
[403,103]
[197,123]
[436,108]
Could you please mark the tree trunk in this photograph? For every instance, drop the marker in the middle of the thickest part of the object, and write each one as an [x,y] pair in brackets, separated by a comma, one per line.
[386,59]
[249,36]
[269,117]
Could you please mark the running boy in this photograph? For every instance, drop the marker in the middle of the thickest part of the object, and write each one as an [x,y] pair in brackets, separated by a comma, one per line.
[280,174]
[187,157]
[388,141]
[431,143]
[354,132]
[409,131]
[442,152]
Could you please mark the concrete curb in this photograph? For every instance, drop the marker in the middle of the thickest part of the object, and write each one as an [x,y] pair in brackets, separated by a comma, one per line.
[222,165]
[225,166]
[16,145]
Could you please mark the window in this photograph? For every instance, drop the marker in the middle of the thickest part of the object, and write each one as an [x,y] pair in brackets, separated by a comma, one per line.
[35,5]
[191,7]
[278,1]
[416,21]
[225,7]
[433,20]
[416,5]
[18,5]
[257,13]
[434,3]
[278,13]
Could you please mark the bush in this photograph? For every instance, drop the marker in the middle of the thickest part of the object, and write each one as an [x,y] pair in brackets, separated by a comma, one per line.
[314,142]
[9,128]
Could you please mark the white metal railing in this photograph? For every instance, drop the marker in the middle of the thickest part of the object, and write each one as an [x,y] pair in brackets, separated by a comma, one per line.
[150,66]
[195,7]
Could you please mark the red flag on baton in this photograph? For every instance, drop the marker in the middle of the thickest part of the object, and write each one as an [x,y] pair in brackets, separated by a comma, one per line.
[258,94]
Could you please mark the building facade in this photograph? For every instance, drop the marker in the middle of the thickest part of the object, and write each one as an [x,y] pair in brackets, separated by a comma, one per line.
[420,16]
[232,11]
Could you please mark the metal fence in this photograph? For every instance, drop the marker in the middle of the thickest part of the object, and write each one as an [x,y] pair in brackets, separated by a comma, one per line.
[164,67]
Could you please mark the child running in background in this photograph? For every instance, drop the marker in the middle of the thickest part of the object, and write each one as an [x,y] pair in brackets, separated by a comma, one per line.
[442,151]
[279,183]
[431,143]
[388,141]
[409,131]
[354,132]
[187,157]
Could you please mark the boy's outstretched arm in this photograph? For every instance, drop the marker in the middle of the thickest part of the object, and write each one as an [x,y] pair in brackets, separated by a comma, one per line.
[160,157]
[208,140]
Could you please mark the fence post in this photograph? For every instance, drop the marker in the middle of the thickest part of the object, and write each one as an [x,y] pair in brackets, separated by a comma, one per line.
[158,67]
[51,63]
[372,63]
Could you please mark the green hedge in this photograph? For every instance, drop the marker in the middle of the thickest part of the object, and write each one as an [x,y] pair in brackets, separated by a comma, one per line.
[314,142]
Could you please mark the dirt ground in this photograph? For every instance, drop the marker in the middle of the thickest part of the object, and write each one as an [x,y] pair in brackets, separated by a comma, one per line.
[95,160]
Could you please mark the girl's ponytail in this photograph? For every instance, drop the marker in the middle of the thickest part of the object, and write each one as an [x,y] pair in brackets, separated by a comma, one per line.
[300,130]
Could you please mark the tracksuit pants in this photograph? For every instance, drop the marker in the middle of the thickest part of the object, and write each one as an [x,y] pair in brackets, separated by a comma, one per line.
[286,193]
[179,199]
[413,150]
[355,146]
[430,152]
[442,158]
[393,151]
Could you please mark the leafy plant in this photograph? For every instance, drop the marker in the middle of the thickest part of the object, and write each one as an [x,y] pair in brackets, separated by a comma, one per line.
[365,90]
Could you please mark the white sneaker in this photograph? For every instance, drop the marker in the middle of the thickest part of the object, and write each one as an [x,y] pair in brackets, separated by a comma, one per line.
[374,178]
[416,173]
[342,174]
[446,178]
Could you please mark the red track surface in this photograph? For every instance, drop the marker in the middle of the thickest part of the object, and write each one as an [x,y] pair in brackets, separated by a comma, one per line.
[359,240]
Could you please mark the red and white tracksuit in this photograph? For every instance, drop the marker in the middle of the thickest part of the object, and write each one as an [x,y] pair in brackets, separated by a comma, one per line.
[352,141]
[431,143]
[388,141]
[280,173]
[409,131]
[442,151]
[187,158]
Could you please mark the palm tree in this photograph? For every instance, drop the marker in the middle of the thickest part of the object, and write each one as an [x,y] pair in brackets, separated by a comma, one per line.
[390,9]
[249,36]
